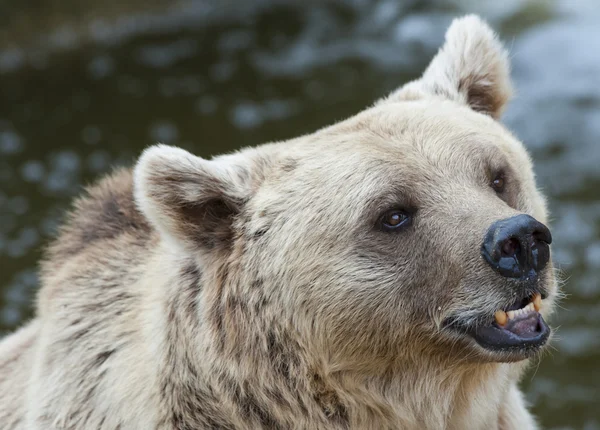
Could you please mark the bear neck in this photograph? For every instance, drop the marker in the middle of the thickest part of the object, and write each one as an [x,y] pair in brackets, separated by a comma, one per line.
[224,370]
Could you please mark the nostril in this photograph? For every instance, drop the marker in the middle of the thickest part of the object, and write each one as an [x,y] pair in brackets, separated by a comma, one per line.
[510,247]
[542,236]
[540,251]
[518,246]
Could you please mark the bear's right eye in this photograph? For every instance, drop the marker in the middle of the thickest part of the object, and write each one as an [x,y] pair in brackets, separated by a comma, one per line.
[394,220]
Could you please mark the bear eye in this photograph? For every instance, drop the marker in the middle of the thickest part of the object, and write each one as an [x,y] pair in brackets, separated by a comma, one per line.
[394,220]
[498,183]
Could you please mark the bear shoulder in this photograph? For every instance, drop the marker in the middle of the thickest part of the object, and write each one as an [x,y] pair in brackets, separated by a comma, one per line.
[106,212]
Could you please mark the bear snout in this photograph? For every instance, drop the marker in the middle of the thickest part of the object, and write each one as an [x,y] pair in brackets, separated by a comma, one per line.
[517,247]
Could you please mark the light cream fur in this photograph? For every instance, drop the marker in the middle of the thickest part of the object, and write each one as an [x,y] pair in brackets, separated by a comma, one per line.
[471,68]
[255,291]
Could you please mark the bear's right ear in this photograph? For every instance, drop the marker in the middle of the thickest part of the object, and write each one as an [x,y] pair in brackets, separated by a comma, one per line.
[187,198]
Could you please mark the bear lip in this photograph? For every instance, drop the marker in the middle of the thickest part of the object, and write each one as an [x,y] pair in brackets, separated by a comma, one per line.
[519,327]
[518,330]
[523,332]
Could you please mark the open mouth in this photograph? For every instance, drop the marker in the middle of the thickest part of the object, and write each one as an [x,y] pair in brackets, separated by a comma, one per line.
[519,327]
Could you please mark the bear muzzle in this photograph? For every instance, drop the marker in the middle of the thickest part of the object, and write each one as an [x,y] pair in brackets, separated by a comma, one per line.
[517,247]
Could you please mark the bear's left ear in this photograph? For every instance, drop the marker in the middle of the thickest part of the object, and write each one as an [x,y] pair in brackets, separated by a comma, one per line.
[471,68]
[188,199]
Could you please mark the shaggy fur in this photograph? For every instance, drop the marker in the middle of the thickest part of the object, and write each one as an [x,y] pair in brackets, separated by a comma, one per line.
[256,290]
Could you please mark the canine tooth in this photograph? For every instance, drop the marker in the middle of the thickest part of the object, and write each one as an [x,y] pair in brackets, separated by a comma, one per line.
[537,302]
[501,317]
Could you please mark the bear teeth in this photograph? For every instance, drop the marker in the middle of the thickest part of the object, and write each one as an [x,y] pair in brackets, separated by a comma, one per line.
[502,317]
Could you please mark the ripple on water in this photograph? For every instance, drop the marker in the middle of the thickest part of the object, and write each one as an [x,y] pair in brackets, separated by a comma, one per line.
[64,173]
[172,86]
[592,255]
[33,171]
[98,161]
[19,292]
[11,60]
[131,85]
[10,142]
[206,105]
[101,66]
[234,41]
[161,56]
[578,340]
[248,114]
[565,96]
[91,134]
[164,132]
[25,240]
[18,205]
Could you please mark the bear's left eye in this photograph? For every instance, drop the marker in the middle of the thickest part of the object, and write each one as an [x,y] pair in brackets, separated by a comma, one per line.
[498,183]
[394,220]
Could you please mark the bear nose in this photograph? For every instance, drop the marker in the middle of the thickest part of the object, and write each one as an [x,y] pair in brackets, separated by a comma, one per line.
[517,247]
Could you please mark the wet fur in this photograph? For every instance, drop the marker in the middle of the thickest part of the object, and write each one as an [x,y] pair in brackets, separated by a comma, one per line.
[251,291]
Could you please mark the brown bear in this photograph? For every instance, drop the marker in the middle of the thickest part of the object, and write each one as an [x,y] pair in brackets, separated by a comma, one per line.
[391,271]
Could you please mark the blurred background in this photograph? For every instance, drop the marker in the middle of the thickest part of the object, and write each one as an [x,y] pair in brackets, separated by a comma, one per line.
[85,86]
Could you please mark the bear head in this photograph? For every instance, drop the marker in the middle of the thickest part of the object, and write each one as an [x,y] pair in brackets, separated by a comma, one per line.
[413,229]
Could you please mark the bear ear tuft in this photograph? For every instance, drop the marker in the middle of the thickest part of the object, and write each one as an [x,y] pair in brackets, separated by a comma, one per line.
[187,198]
[472,67]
